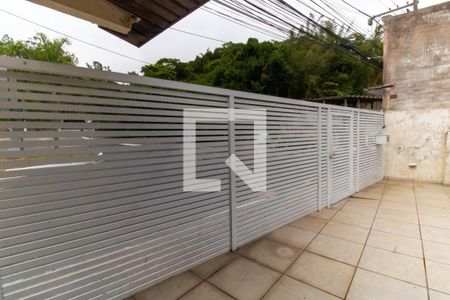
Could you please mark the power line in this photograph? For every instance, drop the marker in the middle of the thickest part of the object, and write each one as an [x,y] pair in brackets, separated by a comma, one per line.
[345,44]
[284,24]
[198,35]
[345,20]
[360,11]
[100,47]
[332,6]
[239,22]
[74,38]
[355,8]
[279,15]
[379,1]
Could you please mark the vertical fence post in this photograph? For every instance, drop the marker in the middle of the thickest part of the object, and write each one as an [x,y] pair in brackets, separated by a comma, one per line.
[232,176]
[357,150]
[319,159]
[329,142]
[352,152]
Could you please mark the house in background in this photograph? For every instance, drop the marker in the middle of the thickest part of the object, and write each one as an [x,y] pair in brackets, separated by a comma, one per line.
[356,101]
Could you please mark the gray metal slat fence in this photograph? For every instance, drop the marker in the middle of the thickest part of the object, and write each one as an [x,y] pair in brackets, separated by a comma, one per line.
[92,203]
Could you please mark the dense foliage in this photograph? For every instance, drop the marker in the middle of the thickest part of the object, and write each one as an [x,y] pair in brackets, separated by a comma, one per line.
[39,47]
[298,67]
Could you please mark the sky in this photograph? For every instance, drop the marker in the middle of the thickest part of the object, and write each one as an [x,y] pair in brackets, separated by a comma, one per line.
[170,43]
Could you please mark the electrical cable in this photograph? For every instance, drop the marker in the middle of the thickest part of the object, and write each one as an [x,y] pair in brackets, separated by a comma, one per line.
[100,47]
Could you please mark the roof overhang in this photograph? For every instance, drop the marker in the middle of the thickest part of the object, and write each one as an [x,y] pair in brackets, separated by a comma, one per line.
[135,21]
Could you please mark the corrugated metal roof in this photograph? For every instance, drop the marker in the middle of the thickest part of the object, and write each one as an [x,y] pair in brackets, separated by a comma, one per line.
[155,17]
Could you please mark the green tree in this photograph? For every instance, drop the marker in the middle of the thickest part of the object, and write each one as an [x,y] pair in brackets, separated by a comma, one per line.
[168,68]
[98,66]
[39,47]
[298,67]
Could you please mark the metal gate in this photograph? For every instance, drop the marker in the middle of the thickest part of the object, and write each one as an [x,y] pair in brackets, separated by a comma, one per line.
[91,166]
[341,155]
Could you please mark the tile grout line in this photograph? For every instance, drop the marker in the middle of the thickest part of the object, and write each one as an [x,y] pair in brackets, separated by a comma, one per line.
[375,272]
[421,242]
[297,257]
[294,260]
[399,234]
[188,291]
[337,209]
[387,276]
[367,238]
[205,279]
[217,271]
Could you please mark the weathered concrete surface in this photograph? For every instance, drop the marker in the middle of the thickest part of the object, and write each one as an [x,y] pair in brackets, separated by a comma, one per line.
[417,59]
[417,63]
[417,137]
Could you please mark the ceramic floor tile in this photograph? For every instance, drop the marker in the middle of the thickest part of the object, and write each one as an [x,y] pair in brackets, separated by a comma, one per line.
[401,216]
[435,221]
[244,279]
[395,243]
[400,194]
[399,266]
[290,289]
[207,268]
[170,289]
[324,213]
[437,252]
[352,218]
[206,291]
[400,199]
[358,209]
[292,236]
[433,211]
[371,286]
[438,296]
[395,227]
[271,253]
[337,249]
[346,232]
[370,203]
[435,234]
[369,195]
[399,183]
[339,204]
[326,274]
[444,205]
[398,206]
[438,275]
[310,223]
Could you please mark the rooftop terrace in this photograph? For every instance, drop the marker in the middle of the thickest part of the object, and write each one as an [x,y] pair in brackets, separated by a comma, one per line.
[390,241]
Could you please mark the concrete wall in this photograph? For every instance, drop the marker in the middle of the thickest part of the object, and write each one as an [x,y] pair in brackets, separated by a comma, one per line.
[417,63]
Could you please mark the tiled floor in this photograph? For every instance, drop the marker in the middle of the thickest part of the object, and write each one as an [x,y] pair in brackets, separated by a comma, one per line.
[389,241]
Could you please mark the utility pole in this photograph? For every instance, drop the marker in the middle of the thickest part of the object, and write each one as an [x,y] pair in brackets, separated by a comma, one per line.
[414,4]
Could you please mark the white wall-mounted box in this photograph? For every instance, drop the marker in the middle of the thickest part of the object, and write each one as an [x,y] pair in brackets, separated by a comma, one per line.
[381,139]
